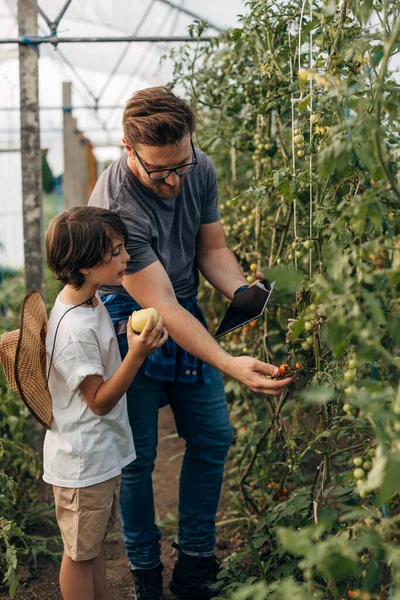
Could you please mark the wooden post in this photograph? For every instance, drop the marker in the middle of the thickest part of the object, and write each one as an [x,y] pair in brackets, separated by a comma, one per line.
[31,156]
[69,176]
[75,160]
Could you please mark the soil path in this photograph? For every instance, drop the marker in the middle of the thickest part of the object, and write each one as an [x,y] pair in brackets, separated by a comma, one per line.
[44,584]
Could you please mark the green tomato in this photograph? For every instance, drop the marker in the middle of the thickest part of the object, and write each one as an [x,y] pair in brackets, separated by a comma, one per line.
[305,347]
[353,363]
[314,118]
[351,390]
[350,375]
[312,308]
[308,244]
[365,558]
[358,225]
[363,494]
[371,452]
[358,473]
[308,326]
[298,139]
[300,153]
[298,254]
[357,461]
[367,465]
[347,408]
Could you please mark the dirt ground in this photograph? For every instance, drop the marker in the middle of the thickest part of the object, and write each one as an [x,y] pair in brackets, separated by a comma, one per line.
[43,584]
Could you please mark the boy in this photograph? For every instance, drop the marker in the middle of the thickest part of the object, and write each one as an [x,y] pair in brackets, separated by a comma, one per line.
[90,439]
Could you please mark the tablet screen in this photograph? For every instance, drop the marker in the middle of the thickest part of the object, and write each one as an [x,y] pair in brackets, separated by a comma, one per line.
[246,306]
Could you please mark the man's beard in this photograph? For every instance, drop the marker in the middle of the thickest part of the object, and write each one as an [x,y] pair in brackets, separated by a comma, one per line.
[164,190]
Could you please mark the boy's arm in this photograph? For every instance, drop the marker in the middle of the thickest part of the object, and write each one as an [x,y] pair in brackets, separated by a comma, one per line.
[101,396]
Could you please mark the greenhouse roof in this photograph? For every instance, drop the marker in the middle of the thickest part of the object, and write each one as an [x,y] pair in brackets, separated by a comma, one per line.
[103,74]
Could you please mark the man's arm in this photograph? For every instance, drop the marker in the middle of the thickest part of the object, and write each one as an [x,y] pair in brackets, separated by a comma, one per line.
[152,287]
[216,261]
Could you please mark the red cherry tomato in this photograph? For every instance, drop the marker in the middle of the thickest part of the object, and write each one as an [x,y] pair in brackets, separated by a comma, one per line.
[285,369]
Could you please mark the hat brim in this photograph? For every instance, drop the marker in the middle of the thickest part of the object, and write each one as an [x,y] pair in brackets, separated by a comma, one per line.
[28,376]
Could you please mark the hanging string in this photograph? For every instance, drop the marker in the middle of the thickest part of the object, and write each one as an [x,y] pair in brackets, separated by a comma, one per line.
[300,31]
[293,147]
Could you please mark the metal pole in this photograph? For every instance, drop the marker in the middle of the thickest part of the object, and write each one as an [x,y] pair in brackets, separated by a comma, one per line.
[31,156]
[60,16]
[67,108]
[35,39]
[191,14]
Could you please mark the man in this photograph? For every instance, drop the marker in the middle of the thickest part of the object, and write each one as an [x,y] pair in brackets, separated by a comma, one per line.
[165,190]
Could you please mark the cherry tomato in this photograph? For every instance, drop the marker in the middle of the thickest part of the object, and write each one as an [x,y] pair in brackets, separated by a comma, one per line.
[299,365]
[284,369]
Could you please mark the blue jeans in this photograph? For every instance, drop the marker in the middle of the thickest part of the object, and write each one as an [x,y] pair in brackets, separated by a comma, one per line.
[202,419]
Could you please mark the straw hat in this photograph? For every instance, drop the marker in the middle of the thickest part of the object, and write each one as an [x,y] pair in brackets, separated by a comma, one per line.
[23,358]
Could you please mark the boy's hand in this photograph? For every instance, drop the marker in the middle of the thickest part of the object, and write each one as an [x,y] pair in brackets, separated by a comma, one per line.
[149,340]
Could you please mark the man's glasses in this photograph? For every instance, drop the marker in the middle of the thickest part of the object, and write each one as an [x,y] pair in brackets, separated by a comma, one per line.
[164,173]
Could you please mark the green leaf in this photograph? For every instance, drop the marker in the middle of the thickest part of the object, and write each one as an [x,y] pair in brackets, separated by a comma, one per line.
[295,542]
[297,329]
[336,336]
[375,307]
[287,280]
[302,106]
[255,554]
[376,475]
[318,394]
[391,480]
[3,482]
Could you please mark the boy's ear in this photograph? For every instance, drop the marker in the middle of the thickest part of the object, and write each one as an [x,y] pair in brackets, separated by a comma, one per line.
[84,271]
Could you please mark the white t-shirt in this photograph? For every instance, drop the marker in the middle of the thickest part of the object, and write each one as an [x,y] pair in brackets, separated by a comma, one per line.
[81,448]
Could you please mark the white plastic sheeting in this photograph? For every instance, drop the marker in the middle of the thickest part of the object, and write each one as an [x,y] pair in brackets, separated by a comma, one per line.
[88,66]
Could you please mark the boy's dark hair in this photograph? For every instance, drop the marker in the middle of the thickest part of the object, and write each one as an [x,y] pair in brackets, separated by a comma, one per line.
[80,238]
[156,117]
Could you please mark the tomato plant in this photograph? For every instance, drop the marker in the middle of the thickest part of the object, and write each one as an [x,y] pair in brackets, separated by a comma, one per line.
[299,110]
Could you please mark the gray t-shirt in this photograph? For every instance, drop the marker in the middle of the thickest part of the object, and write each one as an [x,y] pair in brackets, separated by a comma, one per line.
[161,229]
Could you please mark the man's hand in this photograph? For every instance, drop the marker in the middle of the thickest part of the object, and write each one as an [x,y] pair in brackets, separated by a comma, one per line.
[257,375]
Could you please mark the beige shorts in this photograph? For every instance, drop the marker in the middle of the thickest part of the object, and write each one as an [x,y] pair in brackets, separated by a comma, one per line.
[85,515]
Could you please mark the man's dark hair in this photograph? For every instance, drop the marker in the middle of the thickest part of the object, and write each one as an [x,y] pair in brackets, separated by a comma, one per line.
[156,117]
[81,238]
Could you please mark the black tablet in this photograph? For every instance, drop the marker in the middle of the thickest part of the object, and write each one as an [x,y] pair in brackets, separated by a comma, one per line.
[246,306]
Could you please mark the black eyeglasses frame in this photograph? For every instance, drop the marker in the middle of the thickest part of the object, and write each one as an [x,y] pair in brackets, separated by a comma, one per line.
[168,171]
